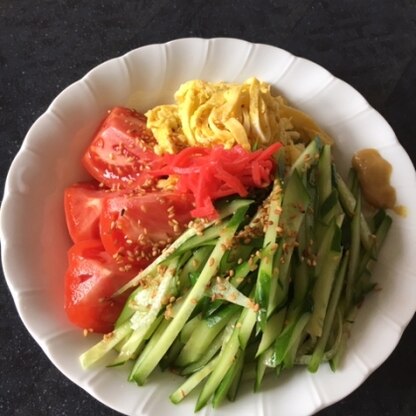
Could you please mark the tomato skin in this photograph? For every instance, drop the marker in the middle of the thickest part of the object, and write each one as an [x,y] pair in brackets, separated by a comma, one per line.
[91,279]
[121,150]
[83,204]
[136,227]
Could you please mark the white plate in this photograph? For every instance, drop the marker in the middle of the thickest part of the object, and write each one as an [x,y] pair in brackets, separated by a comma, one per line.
[34,238]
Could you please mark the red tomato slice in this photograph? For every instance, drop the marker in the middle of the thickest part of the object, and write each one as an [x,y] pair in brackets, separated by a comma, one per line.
[136,227]
[90,281]
[83,204]
[121,150]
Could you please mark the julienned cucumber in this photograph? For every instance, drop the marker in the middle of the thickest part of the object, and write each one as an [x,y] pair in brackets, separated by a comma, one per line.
[272,284]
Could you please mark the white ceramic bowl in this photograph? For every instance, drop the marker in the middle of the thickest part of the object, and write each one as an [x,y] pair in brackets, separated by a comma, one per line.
[34,238]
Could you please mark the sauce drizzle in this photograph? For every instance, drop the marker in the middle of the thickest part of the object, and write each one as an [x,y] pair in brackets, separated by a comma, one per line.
[374,174]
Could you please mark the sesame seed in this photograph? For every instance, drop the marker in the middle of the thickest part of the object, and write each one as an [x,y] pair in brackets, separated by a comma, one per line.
[108,336]
[232,297]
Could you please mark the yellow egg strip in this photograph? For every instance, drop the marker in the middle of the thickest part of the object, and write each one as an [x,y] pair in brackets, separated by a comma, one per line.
[207,114]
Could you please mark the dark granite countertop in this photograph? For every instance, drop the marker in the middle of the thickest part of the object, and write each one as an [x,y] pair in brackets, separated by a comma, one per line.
[46,45]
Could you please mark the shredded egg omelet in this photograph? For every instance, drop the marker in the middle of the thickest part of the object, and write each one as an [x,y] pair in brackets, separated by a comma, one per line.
[208,114]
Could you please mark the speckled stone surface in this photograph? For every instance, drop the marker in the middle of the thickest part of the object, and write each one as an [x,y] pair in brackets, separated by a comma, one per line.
[46,45]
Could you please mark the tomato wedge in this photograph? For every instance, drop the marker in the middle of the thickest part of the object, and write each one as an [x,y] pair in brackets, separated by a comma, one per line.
[121,150]
[83,203]
[136,227]
[91,279]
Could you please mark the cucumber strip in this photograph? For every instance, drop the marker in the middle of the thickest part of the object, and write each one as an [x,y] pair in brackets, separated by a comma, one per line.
[329,354]
[213,348]
[241,253]
[380,236]
[227,355]
[151,300]
[192,382]
[154,326]
[349,202]
[242,270]
[150,346]
[295,203]
[272,330]
[225,361]
[172,354]
[227,208]
[293,313]
[210,233]
[203,334]
[346,328]
[289,360]
[145,367]
[363,287]
[376,220]
[301,282]
[148,334]
[324,183]
[381,233]
[120,344]
[225,385]
[345,195]
[108,342]
[305,235]
[128,309]
[307,347]
[194,265]
[223,289]
[330,208]
[352,181]
[261,367]
[319,350]
[149,305]
[289,337]
[246,324]
[135,342]
[279,296]
[323,286]
[189,328]
[354,252]
[308,157]
[273,214]
[325,245]
[138,300]
[236,382]
[264,276]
